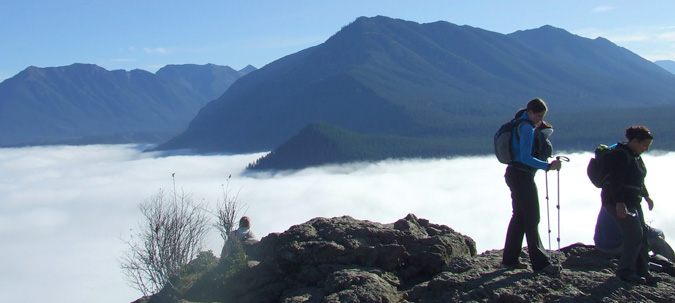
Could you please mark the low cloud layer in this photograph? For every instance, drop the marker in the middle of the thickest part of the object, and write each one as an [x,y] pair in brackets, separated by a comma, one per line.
[64,209]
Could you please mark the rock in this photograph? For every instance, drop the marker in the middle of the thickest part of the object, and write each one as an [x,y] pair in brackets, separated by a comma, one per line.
[412,260]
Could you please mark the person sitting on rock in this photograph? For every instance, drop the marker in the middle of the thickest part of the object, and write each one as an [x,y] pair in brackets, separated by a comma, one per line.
[241,236]
[244,233]
[608,240]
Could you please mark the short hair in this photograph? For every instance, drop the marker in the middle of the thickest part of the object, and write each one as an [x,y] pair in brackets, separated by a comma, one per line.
[537,105]
[245,222]
[638,132]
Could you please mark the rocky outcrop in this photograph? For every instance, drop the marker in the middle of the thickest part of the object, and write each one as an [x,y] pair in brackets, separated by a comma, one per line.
[411,260]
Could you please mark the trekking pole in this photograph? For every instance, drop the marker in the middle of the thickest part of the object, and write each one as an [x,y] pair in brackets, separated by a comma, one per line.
[565,159]
[548,215]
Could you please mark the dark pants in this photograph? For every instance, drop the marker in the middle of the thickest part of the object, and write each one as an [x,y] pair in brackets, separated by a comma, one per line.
[524,220]
[634,257]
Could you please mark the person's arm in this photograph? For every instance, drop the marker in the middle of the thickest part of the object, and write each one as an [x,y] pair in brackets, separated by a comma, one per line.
[621,210]
[650,202]
[645,192]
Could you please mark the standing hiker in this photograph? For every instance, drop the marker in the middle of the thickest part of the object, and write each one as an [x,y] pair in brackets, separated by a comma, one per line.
[525,201]
[621,198]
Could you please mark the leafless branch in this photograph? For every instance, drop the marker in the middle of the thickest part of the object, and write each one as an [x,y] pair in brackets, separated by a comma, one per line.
[171,236]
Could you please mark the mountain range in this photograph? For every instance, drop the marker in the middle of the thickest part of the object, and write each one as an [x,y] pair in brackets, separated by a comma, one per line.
[378,88]
[433,82]
[668,65]
[85,103]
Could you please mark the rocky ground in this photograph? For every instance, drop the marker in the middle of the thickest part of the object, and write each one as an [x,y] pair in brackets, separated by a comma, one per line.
[332,260]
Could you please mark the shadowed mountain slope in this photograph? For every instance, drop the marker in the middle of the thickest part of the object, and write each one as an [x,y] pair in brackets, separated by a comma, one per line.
[209,81]
[85,103]
[383,76]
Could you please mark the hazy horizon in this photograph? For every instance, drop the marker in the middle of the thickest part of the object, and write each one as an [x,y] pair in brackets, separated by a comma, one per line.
[65,208]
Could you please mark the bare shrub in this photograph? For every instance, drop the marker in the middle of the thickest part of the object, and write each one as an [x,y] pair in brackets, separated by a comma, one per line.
[228,210]
[170,237]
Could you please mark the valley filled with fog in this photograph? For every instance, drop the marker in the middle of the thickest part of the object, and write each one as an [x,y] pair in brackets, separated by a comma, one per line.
[65,209]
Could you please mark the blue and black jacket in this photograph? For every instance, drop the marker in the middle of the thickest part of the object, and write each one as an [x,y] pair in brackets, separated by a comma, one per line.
[522,143]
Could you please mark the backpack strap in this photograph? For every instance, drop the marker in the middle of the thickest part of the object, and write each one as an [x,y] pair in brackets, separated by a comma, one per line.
[517,123]
[615,147]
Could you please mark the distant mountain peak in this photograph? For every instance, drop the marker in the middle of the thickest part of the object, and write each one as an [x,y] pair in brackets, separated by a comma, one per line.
[85,103]
[379,75]
[668,65]
[249,68]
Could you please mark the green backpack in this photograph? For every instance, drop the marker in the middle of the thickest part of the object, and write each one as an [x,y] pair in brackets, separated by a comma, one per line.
[597,168]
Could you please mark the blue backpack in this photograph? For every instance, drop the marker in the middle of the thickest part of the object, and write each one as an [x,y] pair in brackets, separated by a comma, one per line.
[502,140]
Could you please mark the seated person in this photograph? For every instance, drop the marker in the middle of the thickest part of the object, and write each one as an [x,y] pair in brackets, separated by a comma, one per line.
[242,236]
[608,240]
[244,232]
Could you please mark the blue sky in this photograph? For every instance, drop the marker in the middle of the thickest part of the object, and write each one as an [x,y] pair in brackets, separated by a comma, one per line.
[130,34]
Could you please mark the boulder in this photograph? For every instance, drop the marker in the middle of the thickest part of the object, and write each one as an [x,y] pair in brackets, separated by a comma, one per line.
[411,260]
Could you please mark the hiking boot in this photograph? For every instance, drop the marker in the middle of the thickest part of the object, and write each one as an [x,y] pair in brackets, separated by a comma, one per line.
[518,265]
[633,278]
[551,269]
[651,280]
[669,270]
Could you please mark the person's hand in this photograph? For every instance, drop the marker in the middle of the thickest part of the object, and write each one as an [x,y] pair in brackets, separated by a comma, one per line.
[555,165]
[650,202]
[621,210]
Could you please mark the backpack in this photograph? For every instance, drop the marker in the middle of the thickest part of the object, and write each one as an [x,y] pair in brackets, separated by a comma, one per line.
[597,170]
[542,148]
[502,140]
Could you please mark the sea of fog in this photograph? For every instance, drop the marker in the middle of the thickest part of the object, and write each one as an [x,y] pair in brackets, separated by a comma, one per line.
[65,209]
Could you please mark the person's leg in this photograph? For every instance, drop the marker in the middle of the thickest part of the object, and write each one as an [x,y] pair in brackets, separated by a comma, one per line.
[515,232]
[632,234]
[530,213]
[614,252]
[642,260]
[525,221]
[659,246]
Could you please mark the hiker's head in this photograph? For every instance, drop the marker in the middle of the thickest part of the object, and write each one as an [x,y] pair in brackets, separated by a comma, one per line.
[536,110]
[245,222]
[639,138]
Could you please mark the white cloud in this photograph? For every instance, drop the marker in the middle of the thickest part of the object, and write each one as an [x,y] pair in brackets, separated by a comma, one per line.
[602,9]
[632,37]
[650,42]
[155,51]
[65,208]
[667,36]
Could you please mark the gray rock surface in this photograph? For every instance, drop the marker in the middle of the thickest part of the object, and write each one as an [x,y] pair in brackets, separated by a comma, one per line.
[332,260]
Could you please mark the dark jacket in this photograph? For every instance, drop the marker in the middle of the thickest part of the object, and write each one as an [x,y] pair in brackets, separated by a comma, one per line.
[542,148]
[626,176]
